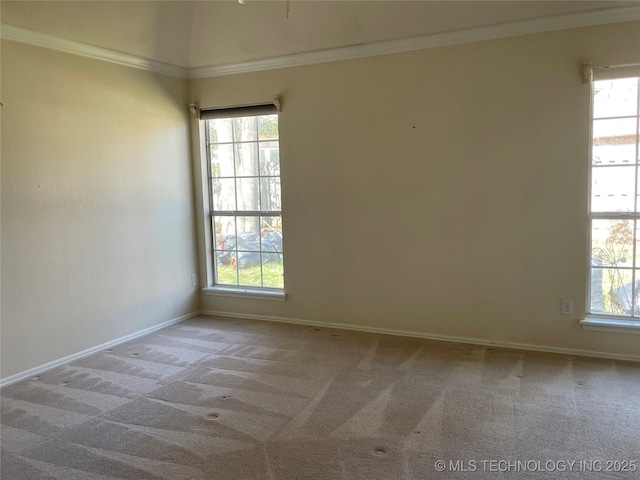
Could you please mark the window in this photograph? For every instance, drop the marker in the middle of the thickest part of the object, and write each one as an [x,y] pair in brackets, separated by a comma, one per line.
[614,207]
[243,165]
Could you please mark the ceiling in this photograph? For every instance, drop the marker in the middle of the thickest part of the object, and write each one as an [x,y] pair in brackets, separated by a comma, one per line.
[196,34]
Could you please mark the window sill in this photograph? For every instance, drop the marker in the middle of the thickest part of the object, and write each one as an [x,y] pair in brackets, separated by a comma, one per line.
[249,293]
[610,325]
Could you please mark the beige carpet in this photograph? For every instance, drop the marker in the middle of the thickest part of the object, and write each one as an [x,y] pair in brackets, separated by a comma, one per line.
[214,398]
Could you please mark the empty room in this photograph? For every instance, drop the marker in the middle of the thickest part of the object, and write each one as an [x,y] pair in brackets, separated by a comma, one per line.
[325,240]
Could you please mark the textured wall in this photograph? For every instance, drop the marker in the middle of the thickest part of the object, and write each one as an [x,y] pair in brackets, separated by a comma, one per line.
[97,210]
[440,191]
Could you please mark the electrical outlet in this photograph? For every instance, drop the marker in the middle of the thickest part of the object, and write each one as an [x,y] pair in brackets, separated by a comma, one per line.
[194,279]
[567,306]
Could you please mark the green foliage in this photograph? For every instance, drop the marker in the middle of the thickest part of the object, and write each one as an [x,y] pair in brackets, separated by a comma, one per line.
[268,126]
[250,277]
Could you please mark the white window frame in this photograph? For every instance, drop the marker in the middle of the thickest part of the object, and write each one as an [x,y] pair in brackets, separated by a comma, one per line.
[212,288]
[604,322]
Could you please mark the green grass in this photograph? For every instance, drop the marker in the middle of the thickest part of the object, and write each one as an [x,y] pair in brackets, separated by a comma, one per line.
[250,277]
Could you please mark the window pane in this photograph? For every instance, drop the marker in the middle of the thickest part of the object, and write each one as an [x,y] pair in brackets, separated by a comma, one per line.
[245,169]
[227,274]
[613,189]
[268,127]
[248,231]
[636,240]
[222,160]
[248,194]
[220,130]
[611,291]
[615,251]
[272,258]
[637,204]
[245,129]
[270,194]
[271,234]
[223,226]
[636,295]
[612,243]
[224,242]
[273,273]
[614,141]
[249,269]
[223,258]
[247,160]
[269,158]
[224,194]
[615,98]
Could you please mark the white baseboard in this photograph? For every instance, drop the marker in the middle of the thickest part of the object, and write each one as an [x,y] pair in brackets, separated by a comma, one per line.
[430,336]
[39,369]
[342,326]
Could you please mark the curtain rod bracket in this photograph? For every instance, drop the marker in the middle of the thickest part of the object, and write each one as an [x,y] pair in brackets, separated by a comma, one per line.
[195,110]
[587,72]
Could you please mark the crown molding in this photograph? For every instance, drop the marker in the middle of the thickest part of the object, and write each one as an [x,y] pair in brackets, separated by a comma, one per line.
[30,37]
[494,32]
